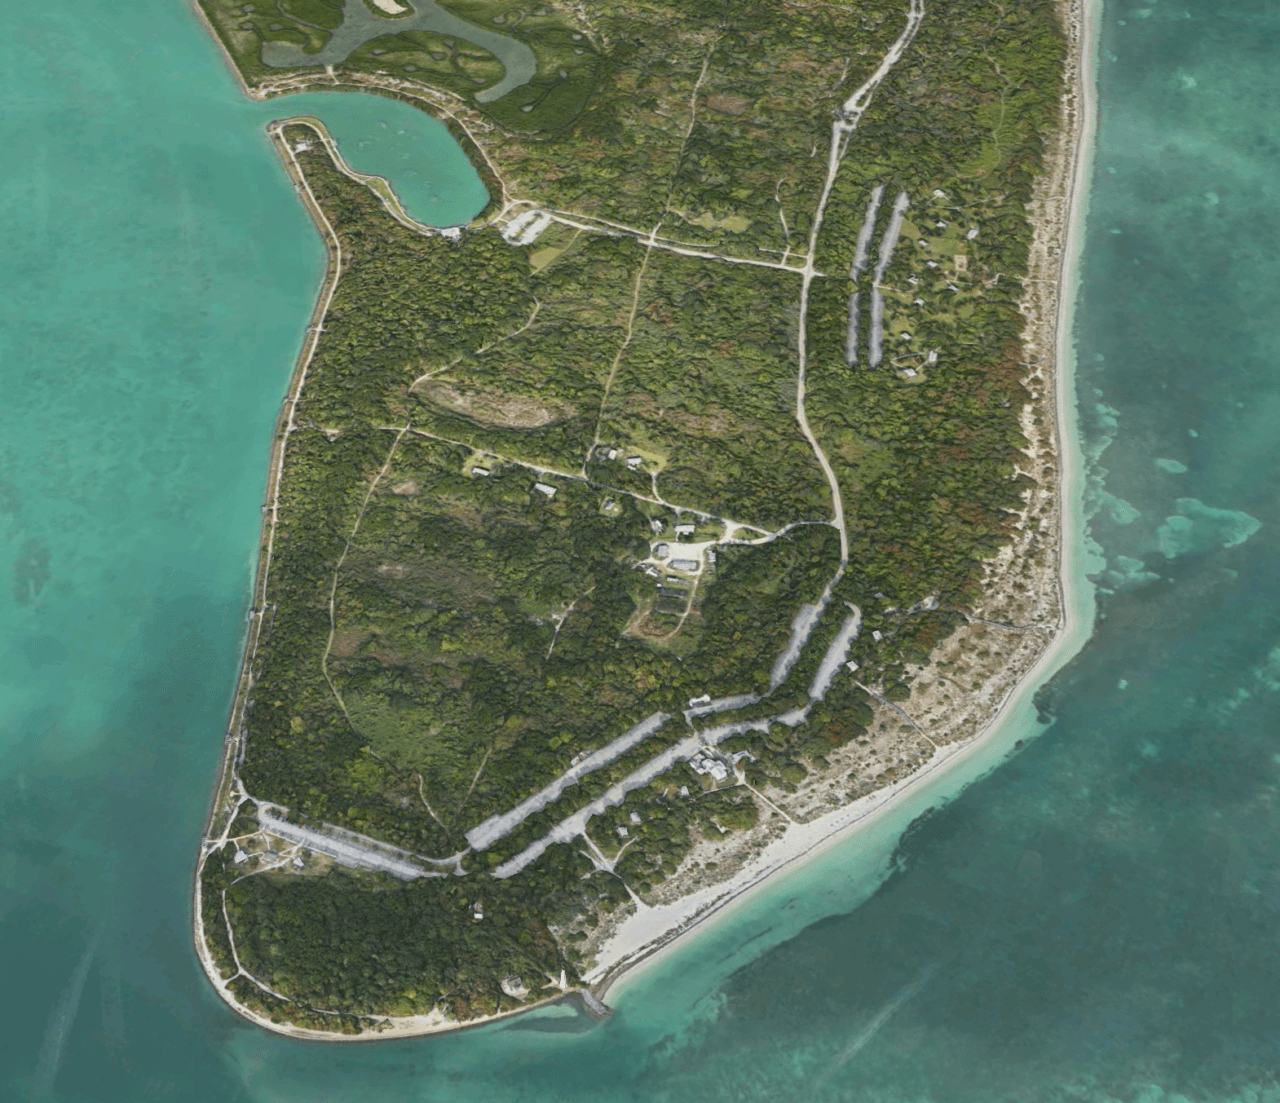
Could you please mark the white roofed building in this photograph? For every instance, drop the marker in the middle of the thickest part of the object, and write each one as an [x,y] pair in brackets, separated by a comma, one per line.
[706,763]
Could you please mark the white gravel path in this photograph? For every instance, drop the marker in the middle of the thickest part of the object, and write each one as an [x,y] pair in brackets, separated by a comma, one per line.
[345,847]
[835,656]
[887,244]
[495,827]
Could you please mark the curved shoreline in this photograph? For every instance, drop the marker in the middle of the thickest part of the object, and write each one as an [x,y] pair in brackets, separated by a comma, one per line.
[224,805]
[1075,597]
[1076,594]
[430,100]
[233,741]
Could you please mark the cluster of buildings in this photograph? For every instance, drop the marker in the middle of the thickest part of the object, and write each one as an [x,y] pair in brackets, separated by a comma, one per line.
[667,555]
[636,821]
[608,452]
[545,489]
[704,762]
[663,552]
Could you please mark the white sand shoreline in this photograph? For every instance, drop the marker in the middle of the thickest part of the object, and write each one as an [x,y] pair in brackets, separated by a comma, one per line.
[649,936]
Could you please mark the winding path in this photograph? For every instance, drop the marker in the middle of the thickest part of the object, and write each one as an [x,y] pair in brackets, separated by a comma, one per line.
[845,124]
[363,851]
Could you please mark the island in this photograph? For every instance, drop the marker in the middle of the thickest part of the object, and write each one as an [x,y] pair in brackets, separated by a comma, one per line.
[629,542]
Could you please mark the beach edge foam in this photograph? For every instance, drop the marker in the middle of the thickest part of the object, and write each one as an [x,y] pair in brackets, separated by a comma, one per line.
[1063,233]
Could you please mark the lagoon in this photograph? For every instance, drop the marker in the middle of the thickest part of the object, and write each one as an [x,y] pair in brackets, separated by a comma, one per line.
[428,171]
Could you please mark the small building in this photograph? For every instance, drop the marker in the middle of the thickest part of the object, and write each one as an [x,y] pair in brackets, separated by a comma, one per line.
[514,987]
[612,454]
[656,525]
[543,488]
[909,373]
[477,912]
[973,232]
[634,817]
[704,763]
[453,233]
[242,857]
[711,555]
[690,565]
[479,472]
[685,530]
[851,666]
[876,636]
[634,462]
[622,832]
[684,790]
[942,225]
[661,551]
[705,699]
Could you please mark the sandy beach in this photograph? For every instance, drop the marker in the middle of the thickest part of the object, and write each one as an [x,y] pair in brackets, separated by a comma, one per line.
[1058,211]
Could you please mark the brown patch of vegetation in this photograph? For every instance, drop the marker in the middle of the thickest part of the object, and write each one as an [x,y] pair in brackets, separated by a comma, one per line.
[465,512]
[729,104]
[1008,373]
[715,424]
[494,408]
[347,642]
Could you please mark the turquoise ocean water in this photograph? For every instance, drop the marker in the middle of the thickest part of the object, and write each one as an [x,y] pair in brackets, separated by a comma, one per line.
[429,173]
[1097,919]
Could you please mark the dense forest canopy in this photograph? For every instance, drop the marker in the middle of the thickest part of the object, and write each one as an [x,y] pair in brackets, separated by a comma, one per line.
[504,450]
